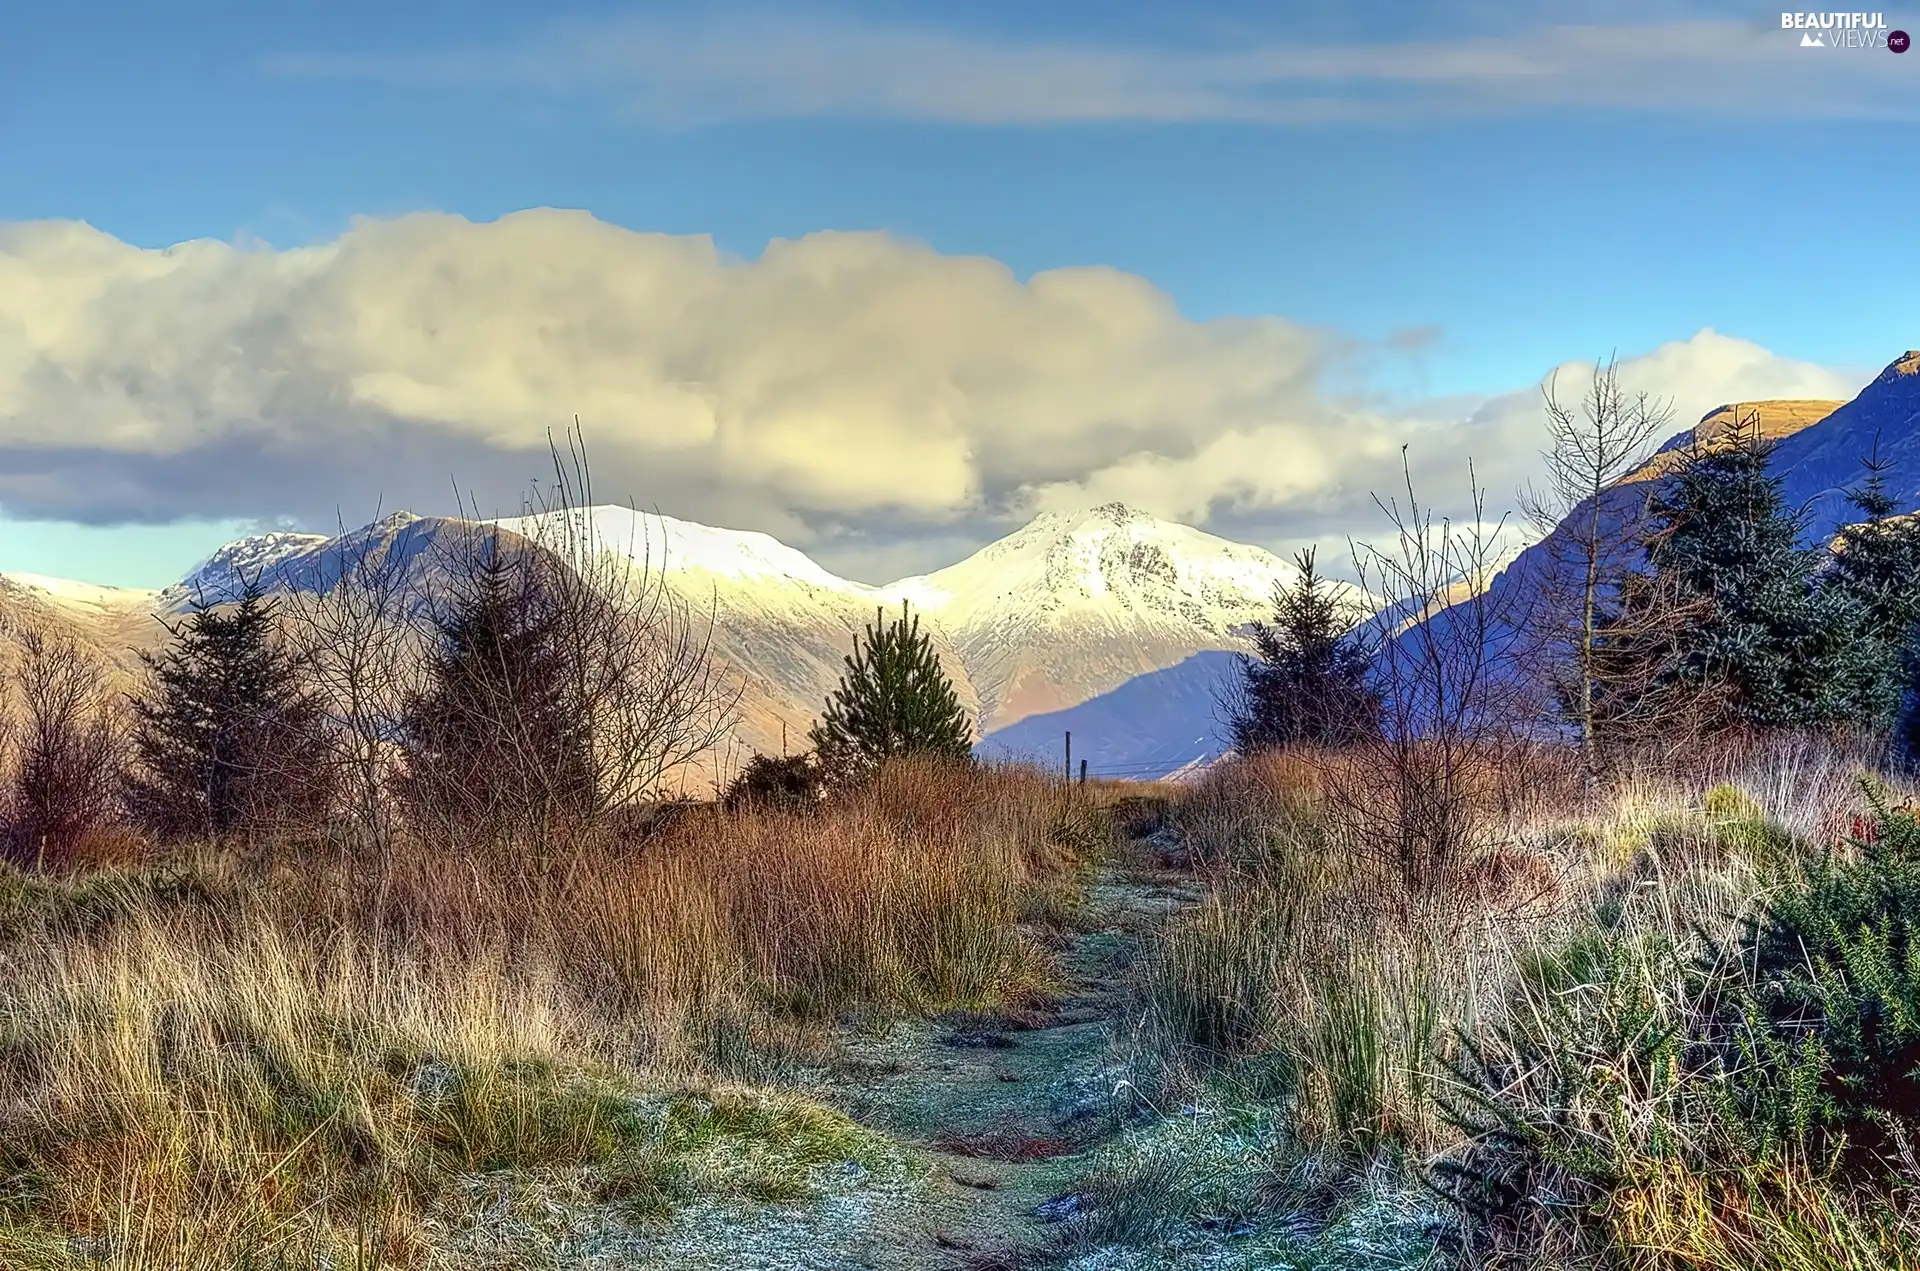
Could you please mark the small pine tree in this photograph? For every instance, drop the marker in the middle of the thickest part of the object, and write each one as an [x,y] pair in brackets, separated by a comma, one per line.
[893,699]
[1307,683]
[1873,587]
[494,742]
[225,739]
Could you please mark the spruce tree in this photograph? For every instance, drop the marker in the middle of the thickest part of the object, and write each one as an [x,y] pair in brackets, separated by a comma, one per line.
[495,742]
[1307,682]
[1873,589]
[1729,621]
[225,739]
[893,699]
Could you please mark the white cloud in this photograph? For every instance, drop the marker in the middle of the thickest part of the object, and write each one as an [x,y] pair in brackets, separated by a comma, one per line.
[680,73]
[866,398]
[1291,486]
[837,376]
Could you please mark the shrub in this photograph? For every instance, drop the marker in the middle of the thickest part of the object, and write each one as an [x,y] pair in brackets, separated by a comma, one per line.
[790,781]
[1835,990]
[62,788]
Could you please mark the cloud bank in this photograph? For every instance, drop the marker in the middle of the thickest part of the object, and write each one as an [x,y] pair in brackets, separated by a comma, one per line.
[869,399]
[789,65]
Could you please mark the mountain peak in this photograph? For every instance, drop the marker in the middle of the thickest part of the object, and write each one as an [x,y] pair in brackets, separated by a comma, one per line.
[1120,513]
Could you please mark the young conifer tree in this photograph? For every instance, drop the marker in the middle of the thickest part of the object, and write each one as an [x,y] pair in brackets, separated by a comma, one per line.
[893,699]
[1747,633]
[225,738]
[494,744]
[1873,587]
[1307,683]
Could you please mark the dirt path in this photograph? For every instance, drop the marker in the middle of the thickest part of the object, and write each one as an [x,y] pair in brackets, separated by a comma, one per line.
[1005,1107]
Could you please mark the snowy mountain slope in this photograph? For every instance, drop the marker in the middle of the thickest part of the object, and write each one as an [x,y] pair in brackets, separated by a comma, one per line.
[779,620]
[81,599]
[1064,610]
[1074,605]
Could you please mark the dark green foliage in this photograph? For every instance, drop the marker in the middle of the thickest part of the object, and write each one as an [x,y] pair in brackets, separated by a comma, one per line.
[786,781]
[1875,584]
[496,743]
[1726,535]
[1798,1045]
[1835,993]
[225,739]
[1307,684]
[893,699]
[1737,623]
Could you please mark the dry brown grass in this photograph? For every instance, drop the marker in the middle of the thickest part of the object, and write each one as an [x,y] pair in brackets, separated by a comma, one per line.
[296,1054]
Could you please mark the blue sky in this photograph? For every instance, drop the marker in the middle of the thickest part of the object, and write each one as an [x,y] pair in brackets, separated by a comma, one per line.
[1477,194]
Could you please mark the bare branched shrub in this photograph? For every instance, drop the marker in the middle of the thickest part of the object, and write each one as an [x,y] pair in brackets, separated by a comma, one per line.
[358,655]
[1420,800]
[643,680]
[1591,533]
[64,769]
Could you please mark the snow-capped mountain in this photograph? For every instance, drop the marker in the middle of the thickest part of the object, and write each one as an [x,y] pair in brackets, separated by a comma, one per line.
[84,600]
[1067,608]
[1073,605]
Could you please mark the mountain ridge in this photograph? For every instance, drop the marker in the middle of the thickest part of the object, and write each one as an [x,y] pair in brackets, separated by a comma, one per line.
[1066,608]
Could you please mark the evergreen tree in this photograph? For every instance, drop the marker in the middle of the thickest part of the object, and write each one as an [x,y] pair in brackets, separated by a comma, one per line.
[1728,625]
[496,742]
[1873,587]
[1307,683]
[893,699]
[225,739]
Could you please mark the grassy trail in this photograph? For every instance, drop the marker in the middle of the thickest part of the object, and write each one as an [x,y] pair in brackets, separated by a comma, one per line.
[994,1115]
[1004,1107]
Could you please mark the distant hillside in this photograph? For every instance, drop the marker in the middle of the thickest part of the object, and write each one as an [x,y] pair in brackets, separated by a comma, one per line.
[1155,725]
[1067,610]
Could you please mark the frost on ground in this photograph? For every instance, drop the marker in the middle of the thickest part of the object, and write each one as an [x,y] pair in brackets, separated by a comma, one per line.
[808,1191]
[1217,1189]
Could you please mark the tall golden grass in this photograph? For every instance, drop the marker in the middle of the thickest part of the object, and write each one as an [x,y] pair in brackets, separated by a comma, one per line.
[291,1056]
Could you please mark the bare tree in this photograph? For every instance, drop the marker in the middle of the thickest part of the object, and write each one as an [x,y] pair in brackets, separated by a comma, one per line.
[64,774]
[1455,702]
[358,654]
[1591,531]
[643,680]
